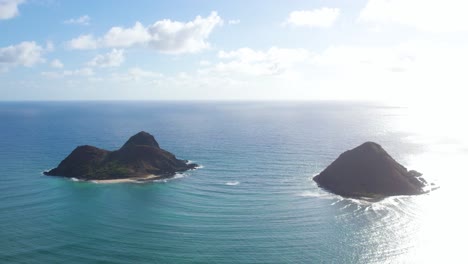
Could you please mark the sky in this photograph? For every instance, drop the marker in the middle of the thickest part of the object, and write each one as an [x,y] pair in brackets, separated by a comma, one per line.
[412,51]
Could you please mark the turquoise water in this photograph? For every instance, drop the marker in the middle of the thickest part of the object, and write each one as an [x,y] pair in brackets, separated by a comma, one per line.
[253,201]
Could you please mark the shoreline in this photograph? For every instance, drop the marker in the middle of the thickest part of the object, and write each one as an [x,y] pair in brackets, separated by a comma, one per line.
[147,178]
[139,179]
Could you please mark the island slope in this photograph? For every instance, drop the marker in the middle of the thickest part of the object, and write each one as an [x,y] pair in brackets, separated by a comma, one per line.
[139,157]
[369,171]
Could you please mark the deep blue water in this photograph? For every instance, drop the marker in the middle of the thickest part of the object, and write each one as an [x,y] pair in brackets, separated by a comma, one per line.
[252,202]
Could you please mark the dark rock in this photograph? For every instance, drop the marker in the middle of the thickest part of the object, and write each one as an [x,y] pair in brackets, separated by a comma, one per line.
[139,156]
[369,171]
[142,138]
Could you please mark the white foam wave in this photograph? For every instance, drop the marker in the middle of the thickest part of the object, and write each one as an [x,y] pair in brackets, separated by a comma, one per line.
[194,162]
[310,194]
[316,195]
[232,183]
[74,179]
[312,177]
[42,172]
[176,176]
[376,206]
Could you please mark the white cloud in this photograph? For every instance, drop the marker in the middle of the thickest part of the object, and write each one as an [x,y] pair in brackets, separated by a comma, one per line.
[233,21]
[56,64]
[82,20]
[83,42]
[23,54]
[426,15]
[322,18]
[165,36]
[112,59]
[178,37]
[125,37]
[9,8]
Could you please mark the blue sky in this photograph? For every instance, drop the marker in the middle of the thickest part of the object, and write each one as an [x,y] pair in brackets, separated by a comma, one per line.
[232,50]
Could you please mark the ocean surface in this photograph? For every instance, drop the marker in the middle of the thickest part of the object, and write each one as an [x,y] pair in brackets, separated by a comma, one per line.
[253,200]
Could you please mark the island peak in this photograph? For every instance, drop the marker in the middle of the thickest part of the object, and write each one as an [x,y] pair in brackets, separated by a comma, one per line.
[369,171]
[139,157]
[142,138]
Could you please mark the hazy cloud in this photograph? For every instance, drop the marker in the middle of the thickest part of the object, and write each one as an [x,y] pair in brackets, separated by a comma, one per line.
[83,72]
[112,59]
[274,61]
[205,63]
[136,74]
[49,46]
[321,18]
[56,64]
[9,8]
[426,15]
[82,20]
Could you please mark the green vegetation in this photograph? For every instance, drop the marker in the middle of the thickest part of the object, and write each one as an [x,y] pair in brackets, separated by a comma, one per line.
[110,170]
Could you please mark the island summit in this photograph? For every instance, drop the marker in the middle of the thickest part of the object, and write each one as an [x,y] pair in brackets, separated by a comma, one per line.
[140,159]
[368,171]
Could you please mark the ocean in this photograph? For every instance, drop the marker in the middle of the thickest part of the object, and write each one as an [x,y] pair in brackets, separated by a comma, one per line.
[252,201]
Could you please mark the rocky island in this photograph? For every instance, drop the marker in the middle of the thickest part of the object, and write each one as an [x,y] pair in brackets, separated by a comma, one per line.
[369,171]
[139,159]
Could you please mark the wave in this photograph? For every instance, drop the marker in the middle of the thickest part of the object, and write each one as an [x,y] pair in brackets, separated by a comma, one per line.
[382,207]
[43,171]
[232,183]
[316,195]
[310,194]
[178,175]
[198,165]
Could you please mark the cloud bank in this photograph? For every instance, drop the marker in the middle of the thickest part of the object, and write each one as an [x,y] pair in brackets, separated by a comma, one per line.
[425,15]
[165,36]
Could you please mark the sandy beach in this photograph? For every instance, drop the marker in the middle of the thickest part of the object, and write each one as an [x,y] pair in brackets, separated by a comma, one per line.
[150,177]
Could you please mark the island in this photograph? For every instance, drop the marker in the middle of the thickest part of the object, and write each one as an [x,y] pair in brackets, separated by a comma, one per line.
[368,171]
[139,159]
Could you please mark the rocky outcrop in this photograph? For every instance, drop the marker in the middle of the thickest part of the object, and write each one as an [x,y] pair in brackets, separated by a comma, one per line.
[139,156]
[369,171]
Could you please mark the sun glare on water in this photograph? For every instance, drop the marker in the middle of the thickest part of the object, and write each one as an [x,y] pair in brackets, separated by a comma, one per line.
[439,221]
